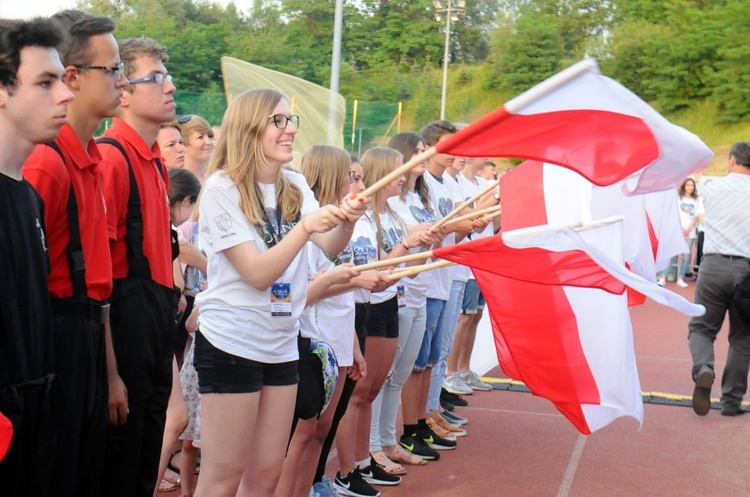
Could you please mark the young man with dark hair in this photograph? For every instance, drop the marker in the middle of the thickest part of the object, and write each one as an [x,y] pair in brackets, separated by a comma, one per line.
[723,285]
[33,107]
[67,175]
[143,299]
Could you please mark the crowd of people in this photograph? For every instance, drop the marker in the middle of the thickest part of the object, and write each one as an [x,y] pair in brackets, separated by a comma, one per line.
[172,283]
[183,302]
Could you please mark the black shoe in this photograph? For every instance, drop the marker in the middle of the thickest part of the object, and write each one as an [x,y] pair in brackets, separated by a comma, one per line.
[702,393]
[732,410]
[447,405]
[434,441]
[416,446]
[353,484]
[452,398]
[374,474]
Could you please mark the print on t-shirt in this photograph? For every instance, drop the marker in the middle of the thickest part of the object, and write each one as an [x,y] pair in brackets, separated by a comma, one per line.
[421,214]
[276,226]
[363,251]
[344,257]
[391,238]
[688,208]
[445,206]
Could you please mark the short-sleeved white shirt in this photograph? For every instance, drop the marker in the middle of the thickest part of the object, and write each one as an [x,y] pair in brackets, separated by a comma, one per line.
[333,318]
[467,190]
[689,208]
[413,212]
[443,201]
[392,233]
[235,316]
[364,251]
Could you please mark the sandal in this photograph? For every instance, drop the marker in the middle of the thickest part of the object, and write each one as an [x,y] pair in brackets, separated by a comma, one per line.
[167,486]
[390,467]
[400,455]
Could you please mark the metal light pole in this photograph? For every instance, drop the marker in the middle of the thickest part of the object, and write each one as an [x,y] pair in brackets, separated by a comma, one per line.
[452,8]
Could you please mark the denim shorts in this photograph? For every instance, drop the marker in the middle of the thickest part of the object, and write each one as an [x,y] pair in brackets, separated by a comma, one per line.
[473,298]
[221,372]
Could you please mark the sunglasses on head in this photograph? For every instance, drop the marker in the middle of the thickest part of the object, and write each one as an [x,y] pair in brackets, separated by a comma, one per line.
[184,119]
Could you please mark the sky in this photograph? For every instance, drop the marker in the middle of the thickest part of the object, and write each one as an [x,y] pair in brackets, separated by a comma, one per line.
[17,9]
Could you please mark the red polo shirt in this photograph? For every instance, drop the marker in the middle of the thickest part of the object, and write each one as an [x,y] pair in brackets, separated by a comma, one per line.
[52,177]
[153,188]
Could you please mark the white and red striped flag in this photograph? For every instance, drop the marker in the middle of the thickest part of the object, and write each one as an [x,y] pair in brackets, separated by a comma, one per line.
[591,124]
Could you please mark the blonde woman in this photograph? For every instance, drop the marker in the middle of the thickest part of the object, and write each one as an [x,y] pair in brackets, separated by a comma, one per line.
[198,137]
[382,229]
[256,218]
[329,318]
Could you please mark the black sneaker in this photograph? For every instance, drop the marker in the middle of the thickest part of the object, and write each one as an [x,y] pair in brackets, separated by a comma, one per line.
[438,443]
[452,398]
[353,484]
[374,474]
[446,405]
[416,446]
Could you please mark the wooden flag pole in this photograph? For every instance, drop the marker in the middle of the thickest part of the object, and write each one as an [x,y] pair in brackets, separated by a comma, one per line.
[463,205]
[472,215]
[395,261]
[409,271]
[414,161]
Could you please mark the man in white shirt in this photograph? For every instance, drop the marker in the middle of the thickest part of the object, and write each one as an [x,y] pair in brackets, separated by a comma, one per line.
[724,272]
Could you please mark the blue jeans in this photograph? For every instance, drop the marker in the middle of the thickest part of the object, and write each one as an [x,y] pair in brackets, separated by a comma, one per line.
[411,323]
[429,352]
[452,311]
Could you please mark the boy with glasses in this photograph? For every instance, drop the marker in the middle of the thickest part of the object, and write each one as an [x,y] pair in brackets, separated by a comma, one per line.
[143,299]
[33,107]
[67,175]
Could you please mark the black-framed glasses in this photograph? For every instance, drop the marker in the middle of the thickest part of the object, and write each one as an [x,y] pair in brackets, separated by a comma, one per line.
[281,121]
[157,78]
[184,119]
[117,71]
[352,176]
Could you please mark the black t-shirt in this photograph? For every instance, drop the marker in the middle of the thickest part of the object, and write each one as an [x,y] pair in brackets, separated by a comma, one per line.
[25,322]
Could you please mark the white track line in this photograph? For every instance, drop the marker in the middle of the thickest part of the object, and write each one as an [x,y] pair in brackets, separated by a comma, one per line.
[570,471]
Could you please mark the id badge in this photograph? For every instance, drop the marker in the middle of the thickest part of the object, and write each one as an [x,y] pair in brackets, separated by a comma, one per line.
[401,295]
[281,299]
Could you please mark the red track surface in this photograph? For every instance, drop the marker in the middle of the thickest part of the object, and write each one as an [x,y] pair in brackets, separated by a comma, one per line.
[519,445]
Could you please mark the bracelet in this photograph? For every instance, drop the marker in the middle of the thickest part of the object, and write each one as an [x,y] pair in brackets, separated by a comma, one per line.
[304,226]
[404,244]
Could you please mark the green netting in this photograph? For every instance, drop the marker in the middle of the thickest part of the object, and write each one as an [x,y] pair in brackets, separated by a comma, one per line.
[210,106]
[373,121]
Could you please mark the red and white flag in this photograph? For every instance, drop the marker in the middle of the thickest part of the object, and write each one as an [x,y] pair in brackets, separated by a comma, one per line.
[591,124]
[555,294]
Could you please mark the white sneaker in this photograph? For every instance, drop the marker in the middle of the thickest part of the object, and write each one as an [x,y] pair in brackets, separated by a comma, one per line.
[455,385]
[681,283]
[472,379]
[661,281]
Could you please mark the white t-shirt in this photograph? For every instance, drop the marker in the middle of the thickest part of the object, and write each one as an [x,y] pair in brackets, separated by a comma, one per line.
[392,233]
[467,189]
[333,318]
[363,245]
[443,201]
[235,316]
[689,208]
[413,212]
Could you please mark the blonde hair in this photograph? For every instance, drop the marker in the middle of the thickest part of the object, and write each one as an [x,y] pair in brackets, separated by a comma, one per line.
[376,164]
[239,154]
[196,124]
[326,168]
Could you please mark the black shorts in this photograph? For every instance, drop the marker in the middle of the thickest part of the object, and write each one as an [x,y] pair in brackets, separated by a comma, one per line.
[220,372]
[383,319]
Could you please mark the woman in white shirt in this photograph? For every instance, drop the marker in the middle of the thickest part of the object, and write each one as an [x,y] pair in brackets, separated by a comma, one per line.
[256,218]
[391,240]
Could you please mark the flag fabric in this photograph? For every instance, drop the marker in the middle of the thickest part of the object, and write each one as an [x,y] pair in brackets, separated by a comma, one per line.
[652,233]
[6,435]
[559,315]
[590,124]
